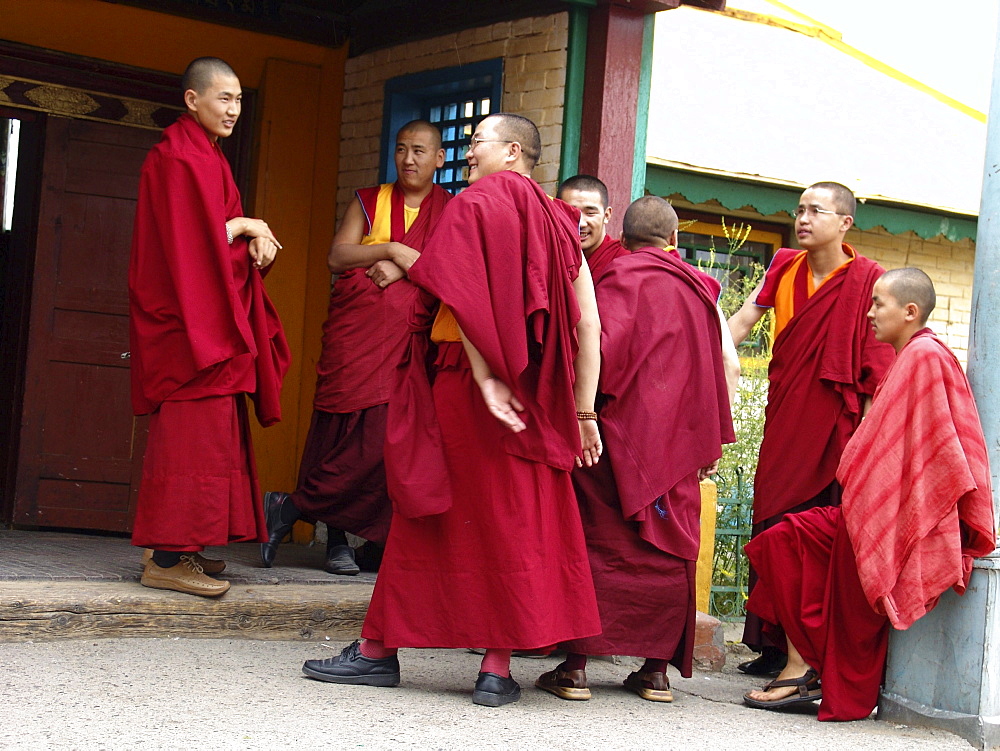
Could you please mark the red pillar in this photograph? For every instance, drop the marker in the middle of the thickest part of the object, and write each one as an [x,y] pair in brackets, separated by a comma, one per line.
[610,99]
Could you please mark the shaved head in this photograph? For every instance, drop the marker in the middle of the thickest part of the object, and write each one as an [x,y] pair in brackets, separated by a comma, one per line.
[513,128]
[649,221]
[843,197]
[416,126]
[911,285]
[586,183]
[201,72]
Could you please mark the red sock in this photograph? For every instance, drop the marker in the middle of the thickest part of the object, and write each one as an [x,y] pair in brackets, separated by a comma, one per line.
[375,650]
[497,661]
[653,665]
[575,661]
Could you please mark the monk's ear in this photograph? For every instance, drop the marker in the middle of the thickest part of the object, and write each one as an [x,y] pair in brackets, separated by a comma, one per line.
[673,239]
[847,223]
[912,312]
[191,100]
[607,215]
[515,151]
[440,159]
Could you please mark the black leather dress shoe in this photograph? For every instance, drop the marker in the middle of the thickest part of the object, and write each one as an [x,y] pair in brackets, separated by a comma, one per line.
[280,516]
[340,560]
[350,666]
[771,661]
[494,690]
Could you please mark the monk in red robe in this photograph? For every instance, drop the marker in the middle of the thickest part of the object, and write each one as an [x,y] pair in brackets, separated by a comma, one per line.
[917,508]
[590,196]
[824,368]
[342,474]
[203,333]
[664,410]
[486,547]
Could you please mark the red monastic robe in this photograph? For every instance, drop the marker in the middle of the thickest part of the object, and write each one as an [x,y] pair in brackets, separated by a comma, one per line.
[486,546]
[202,330]
[823,365]
[665,415]
[917,507]
[604,254]
[342,473]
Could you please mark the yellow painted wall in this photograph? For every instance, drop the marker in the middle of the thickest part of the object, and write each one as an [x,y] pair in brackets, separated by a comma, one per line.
[296,152]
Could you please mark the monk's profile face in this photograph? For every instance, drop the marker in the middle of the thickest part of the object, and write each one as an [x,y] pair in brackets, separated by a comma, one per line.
[418,155]
[817,221]
[594,216]
[890,320]
[218,107]
[488,152]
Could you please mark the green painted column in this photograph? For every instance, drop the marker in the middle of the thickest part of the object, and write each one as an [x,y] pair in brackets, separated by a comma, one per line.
[642,110]
[576,63]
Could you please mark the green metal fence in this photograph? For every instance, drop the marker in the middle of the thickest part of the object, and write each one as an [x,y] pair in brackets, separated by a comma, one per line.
[728,594]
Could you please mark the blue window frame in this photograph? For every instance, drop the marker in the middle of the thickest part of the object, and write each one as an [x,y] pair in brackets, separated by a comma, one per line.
[455,99]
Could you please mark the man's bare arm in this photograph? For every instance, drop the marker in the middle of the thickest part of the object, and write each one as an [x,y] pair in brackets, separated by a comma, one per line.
[743,320]
[730,360]
[347,252]
[587,365]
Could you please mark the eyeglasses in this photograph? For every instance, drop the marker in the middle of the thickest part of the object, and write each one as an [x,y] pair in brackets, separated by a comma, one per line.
[476,141]
[812,211]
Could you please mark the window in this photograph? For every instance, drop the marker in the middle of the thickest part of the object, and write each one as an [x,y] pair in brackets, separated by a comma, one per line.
[705,244]
[455,99]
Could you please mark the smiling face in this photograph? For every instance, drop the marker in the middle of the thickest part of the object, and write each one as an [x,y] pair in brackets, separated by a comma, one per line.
[488,151]
[594,216]
[891,321]
[218,107]
[418,154]
[819,224]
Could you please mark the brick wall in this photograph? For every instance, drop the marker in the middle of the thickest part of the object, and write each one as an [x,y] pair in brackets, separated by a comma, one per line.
[948,264]
[534,52]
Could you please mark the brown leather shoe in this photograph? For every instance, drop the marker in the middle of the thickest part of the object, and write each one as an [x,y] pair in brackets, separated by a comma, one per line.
[187,577]
[650,686]
[566,684]
[211,566]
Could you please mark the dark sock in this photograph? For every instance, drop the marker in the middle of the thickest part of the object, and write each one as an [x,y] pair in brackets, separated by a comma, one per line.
[653,665]
[335,537]
[288,514]
[166,558]
[575,661]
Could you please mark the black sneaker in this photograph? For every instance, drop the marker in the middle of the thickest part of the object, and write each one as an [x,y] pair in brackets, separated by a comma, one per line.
[350,666]
[493,690]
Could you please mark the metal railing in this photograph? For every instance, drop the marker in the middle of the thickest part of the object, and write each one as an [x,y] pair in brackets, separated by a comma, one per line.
[730,569]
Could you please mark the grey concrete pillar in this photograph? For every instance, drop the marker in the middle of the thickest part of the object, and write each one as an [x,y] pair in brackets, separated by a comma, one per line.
[945,670]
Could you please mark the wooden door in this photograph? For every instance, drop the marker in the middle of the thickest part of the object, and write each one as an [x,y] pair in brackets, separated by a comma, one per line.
[81,449]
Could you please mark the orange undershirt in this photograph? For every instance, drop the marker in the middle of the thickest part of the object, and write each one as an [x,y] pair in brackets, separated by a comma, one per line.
[784,298]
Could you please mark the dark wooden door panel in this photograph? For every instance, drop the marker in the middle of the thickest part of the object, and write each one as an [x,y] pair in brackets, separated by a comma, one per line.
[81,449]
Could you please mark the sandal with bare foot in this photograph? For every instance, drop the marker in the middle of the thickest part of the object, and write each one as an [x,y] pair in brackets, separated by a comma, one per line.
[808,691]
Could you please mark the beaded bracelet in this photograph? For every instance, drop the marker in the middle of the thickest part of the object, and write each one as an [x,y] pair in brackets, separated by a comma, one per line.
[584,415]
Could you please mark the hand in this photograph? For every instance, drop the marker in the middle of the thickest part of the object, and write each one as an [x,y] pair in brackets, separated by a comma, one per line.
[706,472]
[402,255]
[502,403]
[384,273]
[590,439]
[262,251]
[253,228]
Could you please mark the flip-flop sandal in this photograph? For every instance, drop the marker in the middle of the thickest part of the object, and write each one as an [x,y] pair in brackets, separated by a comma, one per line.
[808,686]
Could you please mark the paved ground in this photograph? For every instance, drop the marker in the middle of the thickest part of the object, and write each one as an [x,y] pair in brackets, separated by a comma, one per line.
[224,694]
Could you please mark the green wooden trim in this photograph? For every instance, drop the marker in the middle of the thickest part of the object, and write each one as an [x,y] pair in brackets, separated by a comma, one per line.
[768,200]
[576,64]
[584,3]
[642,110]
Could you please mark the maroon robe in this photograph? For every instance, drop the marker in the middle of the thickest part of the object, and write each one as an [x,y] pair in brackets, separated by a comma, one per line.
[203,332]
[342,473]
[604,254]
[824,364]
[917,508]
[664,415]
[493,556]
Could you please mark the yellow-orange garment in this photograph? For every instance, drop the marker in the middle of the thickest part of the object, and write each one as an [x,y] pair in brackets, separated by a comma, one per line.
[445,328]
[381,224]
[784,299]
